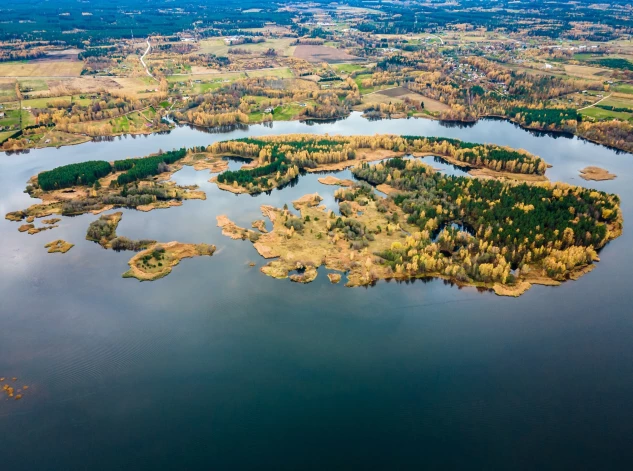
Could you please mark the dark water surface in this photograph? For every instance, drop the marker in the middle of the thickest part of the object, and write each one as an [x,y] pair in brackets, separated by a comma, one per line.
[218,366]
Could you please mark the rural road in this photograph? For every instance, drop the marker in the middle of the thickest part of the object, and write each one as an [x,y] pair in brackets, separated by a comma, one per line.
[437,37]
[143,59]
[594,104]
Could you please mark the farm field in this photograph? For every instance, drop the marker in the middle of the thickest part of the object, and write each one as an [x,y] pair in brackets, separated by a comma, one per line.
[624,88]
[41,69]
[601,114]
[398,94]
[588,72]
[323,54]
[347,68]
[220,48]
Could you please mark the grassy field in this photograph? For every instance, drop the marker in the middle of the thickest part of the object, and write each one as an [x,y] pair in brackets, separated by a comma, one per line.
[124,124]
[66,100]
[7,90]
[600,114]
[347,68]
[219,48]
[283,72]
[210,77]
[12,118]
[205,87]
[587,72]
[33,85]
[622,101]
[41,69]
[624,88]
[137,119]
[5,135]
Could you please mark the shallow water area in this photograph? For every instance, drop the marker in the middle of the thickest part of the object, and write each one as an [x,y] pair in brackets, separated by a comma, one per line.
[219,366]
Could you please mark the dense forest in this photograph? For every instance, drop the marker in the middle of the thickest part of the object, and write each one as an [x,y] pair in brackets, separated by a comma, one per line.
[278,155]
[514,227]
[88,173]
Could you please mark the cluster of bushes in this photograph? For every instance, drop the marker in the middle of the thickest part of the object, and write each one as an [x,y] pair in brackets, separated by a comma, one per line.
[622,109]
[123,243]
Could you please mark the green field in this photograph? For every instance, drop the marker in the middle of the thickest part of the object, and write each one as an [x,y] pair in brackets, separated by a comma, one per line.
[347,68]
[12,118]
[219,48]
[205,87]
[624,88]
[5,135]
[582,56]
[33,85]
[122,124]
[600,114]
[283,72]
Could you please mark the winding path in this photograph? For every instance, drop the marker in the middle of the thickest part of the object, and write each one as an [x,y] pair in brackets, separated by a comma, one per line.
[594,104]
[143,60]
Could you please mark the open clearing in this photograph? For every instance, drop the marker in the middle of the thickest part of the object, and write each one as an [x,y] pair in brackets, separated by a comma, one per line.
[587,72]
[220,48]
[398,94]
[323,54]
[600,114]
[429,103]
[41,69]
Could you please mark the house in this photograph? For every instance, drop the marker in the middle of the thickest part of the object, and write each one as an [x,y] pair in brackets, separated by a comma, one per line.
[269,110]
[1,114]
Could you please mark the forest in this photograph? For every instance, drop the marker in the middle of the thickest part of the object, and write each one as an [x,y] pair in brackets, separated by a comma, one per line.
[278,154]
[88,173]
[514,227]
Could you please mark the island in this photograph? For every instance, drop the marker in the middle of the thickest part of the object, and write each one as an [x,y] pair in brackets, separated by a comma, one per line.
[596,174]
[59,246]
[277,160]
[504,227]
[496,234]
[158,260]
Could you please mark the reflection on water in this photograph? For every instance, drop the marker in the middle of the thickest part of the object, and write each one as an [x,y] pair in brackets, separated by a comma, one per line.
[130,375]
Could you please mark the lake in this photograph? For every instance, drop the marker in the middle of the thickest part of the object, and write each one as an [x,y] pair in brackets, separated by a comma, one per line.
[218,366]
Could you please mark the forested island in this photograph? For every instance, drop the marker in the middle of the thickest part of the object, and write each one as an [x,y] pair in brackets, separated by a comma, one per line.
[493,234]
[505,227]
[280,159]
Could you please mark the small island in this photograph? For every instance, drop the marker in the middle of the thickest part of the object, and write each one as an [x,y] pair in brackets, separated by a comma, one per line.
[596,174]
[59,246]
[158,260]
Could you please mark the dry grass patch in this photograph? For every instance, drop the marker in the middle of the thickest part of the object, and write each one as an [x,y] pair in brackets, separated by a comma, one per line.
[596,174]
[41,69]
[318,54]
[587,72]
[59,246]
[158,260]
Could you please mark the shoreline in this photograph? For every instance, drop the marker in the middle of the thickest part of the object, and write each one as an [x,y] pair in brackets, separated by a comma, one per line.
[219,129]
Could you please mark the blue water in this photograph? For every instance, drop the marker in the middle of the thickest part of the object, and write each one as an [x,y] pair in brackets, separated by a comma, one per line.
[218,366]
